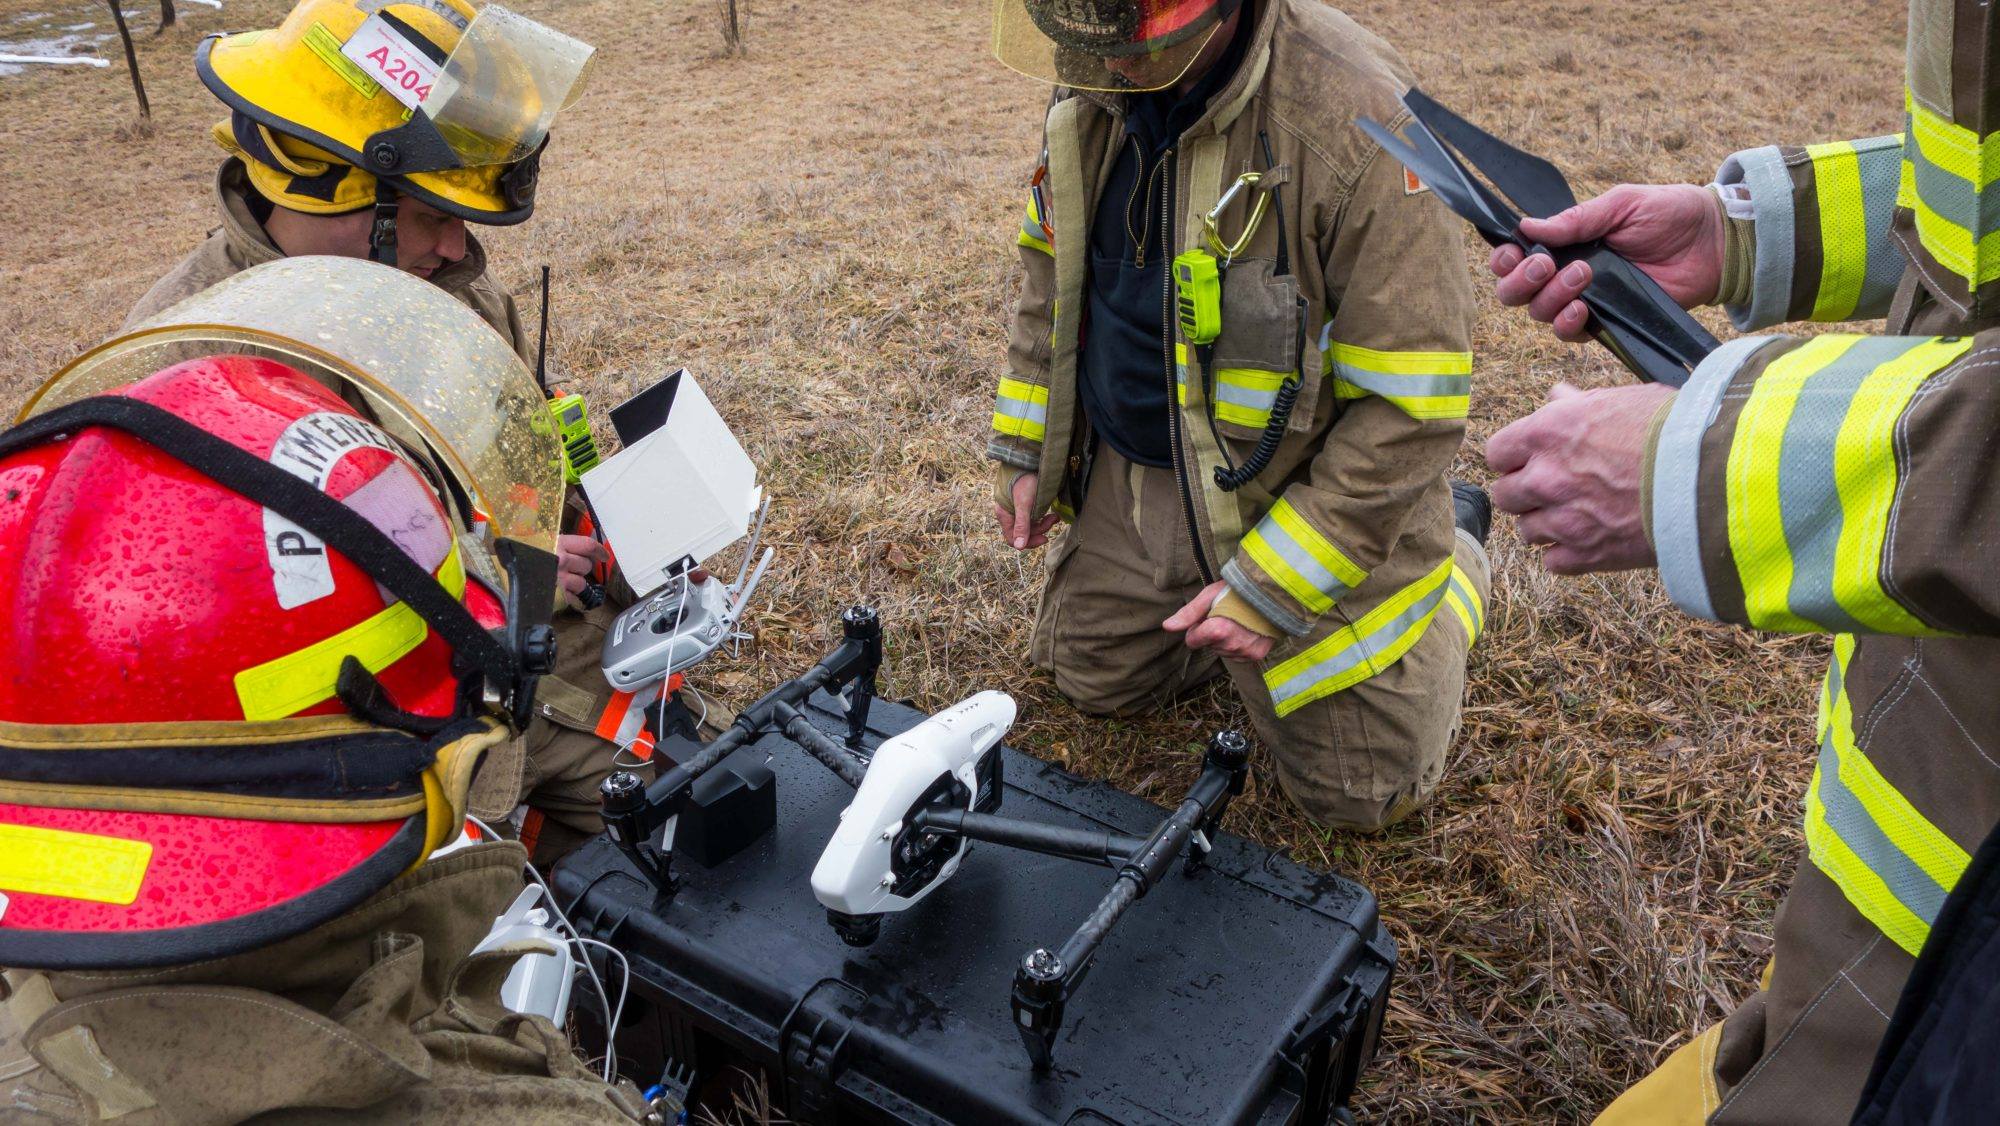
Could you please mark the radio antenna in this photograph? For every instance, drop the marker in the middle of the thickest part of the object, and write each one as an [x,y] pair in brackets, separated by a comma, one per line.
[542,346]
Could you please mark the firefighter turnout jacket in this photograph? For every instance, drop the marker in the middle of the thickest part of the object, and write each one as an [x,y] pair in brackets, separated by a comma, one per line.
[1354,283]
[1848,484]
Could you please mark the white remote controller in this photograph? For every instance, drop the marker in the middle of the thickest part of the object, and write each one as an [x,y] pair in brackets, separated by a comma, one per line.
[673,629]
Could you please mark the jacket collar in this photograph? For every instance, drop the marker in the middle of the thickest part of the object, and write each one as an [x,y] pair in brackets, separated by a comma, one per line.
[249,244]
[1226,106]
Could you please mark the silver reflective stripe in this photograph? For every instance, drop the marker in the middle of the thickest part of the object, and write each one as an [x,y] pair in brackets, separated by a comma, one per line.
[1881,164]
[1848,818]
[1011,407]
[1248,398]
[1953,198]
[1471,599]
[1364,650]
[1677,474]
[1404,386]
[1299,559]
[1808,494]
[1763,172]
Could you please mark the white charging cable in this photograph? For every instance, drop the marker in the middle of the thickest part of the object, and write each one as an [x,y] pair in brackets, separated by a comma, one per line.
[611,1011]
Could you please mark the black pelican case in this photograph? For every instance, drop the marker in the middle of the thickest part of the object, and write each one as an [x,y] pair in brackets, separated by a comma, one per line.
[1251,991]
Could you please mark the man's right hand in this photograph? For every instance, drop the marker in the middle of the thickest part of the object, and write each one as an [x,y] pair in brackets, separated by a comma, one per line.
[1674,232]
[1020,530]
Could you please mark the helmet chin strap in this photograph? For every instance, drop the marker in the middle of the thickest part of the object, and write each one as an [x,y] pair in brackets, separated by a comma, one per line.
[382,233]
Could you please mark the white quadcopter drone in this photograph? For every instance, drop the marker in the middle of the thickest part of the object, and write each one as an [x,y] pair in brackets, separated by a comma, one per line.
[920,799]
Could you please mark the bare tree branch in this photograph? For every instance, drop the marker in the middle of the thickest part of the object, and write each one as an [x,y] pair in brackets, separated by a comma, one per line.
[131,59]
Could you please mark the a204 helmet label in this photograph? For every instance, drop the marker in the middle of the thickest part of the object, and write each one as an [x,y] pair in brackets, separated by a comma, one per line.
[396,64]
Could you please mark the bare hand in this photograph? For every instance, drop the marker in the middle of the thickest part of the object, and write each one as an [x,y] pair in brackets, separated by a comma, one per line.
[1572,472]
[1017,527]
[576,558]
[1674,232]
[1232,640]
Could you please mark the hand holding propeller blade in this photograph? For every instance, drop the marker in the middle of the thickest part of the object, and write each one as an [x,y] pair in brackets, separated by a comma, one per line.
[1631,315]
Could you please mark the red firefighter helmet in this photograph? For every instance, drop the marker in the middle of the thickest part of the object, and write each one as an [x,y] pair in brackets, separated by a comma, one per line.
[175,650]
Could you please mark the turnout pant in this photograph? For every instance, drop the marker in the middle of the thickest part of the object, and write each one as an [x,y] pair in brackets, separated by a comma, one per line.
[1360,758]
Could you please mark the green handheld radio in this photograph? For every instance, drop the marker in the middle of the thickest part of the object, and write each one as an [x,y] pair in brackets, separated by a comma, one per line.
[579,449]
[1198,296]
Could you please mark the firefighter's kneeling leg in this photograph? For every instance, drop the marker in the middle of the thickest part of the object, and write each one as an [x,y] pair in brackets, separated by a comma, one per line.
[1122,569]
[1369,755]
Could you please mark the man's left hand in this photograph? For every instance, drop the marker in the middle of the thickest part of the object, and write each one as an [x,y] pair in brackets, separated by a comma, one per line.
[576,558]
[1231,640]
[1572,472]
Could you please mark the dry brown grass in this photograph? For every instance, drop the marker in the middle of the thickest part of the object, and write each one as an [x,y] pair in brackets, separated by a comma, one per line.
[822,227]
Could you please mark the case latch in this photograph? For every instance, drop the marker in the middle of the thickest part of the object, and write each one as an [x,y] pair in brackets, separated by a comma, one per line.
[812,1044]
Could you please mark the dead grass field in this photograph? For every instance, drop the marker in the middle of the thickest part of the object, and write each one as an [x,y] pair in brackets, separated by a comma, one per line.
[823,230]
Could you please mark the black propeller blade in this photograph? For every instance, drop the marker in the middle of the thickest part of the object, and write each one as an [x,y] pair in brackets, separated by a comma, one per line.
[1648,332]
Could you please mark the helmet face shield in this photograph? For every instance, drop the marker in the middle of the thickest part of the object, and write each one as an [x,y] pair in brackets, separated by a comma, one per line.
[428,369]
[503,85]
[1117,46]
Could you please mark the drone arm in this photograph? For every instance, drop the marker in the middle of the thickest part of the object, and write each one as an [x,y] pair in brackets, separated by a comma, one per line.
[796,727]
[1045,981]
[1094,846]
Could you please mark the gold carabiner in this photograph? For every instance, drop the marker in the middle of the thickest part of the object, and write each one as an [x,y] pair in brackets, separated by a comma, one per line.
[1228,251]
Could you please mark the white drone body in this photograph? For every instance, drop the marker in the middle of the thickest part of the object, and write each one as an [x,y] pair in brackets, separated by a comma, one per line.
[855,875]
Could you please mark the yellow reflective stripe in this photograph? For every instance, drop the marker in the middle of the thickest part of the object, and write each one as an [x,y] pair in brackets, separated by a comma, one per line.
[1754,506]
[1424,385]
[1031,230]
[1426,407]
[1843,229]
[1465,619]
[37,861]
[1959,167]
[1299,559]
[1245,396]
[1952,245]
[1952,147]
[1864,462]
[1464,600]
[1261,553]
[1318,546]
[1865,890]
[1022,409]
[1399,363]
[1358,651]
[296,681]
